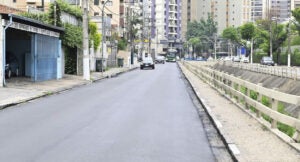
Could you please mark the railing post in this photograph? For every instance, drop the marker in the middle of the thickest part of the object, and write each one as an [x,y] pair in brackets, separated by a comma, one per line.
[274,107]
[296,136]
[259,99]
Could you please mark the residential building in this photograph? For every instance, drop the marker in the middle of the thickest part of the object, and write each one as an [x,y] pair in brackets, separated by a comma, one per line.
[193,10]
[168,23]
[28,5]
[279,10]
[295,4]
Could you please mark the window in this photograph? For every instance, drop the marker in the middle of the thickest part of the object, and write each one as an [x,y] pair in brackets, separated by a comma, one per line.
[96,2]
[14,1]
[96,14]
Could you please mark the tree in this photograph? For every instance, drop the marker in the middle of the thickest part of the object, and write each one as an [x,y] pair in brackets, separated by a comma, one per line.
[231,33]
[199,30]
[247,31]
[279,36]
[196,43]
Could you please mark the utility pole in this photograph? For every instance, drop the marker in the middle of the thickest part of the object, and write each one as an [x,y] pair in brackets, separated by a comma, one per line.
[289,44]
[85,44]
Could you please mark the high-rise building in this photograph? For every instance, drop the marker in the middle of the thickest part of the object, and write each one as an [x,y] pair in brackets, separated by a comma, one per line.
[295,4]
[168,24]
[279,10]
[193,10]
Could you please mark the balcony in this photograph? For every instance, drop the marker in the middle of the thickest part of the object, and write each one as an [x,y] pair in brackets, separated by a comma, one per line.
[31,1]
[172,18]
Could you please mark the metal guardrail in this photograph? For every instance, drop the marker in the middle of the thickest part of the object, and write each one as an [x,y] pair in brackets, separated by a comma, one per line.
[231,86]
[281,71]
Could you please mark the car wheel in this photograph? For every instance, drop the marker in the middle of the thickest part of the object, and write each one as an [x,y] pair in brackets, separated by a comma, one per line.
[141,67]
[153,67]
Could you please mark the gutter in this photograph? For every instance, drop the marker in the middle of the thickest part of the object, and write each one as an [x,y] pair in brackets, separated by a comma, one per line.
[4,47]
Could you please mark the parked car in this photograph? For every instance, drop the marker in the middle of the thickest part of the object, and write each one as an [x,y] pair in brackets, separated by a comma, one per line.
[266,60]
[160,59]
[245,59]
[228,58]
[147,63]
[236,59]
[200,59]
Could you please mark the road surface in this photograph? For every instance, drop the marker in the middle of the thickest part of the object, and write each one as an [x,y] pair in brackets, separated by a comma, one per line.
[139,116]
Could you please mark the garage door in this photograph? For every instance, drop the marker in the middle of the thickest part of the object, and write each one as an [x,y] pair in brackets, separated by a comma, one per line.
[46,54]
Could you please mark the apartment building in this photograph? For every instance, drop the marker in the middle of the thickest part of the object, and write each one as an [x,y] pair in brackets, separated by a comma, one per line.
[28,5]
[168,23]
[193,10]
[295,4]
[279,10]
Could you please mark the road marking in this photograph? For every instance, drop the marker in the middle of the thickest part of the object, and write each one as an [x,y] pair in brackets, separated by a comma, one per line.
[234,149]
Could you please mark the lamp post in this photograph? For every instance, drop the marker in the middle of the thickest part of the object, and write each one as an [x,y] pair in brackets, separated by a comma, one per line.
[109,2]
[289,44]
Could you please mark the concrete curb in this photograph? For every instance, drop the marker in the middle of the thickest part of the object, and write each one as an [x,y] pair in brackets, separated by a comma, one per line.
[283,137]
[229,143]
[63,89]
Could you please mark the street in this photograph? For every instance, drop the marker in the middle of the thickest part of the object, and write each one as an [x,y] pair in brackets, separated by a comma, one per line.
[143,115]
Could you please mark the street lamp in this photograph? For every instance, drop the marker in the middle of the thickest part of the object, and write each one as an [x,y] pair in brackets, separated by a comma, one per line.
[109,3]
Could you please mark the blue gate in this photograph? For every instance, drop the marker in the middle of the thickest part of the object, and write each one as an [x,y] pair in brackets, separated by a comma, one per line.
[45,52]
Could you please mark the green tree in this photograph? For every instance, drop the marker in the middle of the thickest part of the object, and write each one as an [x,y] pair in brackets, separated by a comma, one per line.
[247,31]
[196,44]
[231,33]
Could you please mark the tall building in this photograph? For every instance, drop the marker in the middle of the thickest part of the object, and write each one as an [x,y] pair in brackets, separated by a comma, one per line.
[193,10]
[279,9]
[295,4]
[168,24]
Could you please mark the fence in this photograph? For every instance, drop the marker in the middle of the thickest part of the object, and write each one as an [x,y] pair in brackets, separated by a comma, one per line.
[281,71]
[241,92]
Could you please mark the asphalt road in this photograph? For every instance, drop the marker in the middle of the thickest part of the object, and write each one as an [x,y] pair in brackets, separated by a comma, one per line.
[139,116]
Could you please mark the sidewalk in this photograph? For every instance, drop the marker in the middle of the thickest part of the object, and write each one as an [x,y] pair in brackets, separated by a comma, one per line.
[19,90]
[247,139]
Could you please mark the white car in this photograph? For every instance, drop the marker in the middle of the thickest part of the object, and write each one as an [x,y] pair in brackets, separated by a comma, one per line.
[236,59]
[245,59]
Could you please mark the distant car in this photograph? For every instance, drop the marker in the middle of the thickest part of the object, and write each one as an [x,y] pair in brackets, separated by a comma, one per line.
[266,60]
[160,59]
[147,63]
[245,59]
[236,59]
[200,59]
[228,58]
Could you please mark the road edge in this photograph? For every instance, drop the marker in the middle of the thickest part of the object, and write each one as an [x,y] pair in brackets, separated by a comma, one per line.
[226,140]
[51,93]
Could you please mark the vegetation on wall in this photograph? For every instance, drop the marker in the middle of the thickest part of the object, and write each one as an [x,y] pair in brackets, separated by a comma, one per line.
[72,37]
[95,37]
[72,10]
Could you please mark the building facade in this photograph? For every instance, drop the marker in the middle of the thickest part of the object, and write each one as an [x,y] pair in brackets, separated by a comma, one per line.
[167,22]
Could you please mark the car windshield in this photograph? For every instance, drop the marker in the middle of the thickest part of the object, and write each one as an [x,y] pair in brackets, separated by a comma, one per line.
[268,58]
[171,54]
[147,60]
